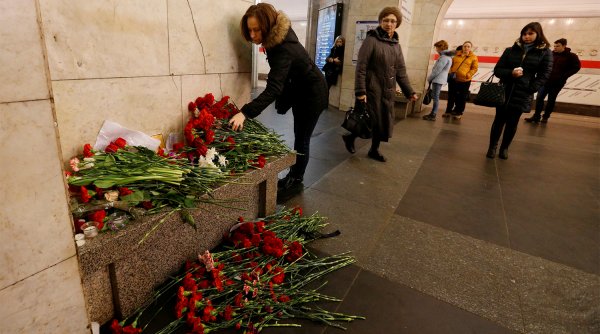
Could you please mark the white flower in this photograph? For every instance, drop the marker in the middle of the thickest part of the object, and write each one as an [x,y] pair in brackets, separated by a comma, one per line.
[211,153]
[203,162]
[222,160]
[89,159]
[87,165]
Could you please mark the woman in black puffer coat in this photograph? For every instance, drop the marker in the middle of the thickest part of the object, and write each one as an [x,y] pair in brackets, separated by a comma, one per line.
[523,69]
[294,81]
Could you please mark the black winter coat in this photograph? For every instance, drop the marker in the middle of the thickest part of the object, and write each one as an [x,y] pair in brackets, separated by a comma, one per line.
[536,64]
[380,65]
[565,64]
[332,70]
[294,80]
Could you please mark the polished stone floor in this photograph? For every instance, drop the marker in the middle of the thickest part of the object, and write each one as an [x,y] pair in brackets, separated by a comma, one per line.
[448,241]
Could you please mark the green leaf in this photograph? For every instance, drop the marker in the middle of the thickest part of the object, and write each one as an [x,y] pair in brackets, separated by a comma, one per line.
[189,202]
[134,197]
[188,218]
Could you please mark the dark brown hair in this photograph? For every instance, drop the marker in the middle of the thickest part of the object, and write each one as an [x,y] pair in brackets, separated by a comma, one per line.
[562,41]
[265,14]
[391,10]
[537,28]
[441,44]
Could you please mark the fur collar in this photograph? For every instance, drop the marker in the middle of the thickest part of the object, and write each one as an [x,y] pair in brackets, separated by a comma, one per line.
[382,35]
[278,32]
[522,46]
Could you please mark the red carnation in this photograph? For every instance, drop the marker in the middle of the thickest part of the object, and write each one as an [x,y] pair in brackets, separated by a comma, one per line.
[283,298]
[87,151]
[85,195]
[191,106]
[228,313]
[297,210]
[124,191]
[294,252]
[147,205]
[97,216]
[279,275]
[120,142]
[177,147]
[111,148]
[115,327]
[131,330]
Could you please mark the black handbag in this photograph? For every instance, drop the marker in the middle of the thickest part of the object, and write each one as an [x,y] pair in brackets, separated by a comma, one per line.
[358,121]
[427,97]
[491,94]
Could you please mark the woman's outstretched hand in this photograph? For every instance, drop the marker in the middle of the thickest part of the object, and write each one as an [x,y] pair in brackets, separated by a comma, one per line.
[237,122]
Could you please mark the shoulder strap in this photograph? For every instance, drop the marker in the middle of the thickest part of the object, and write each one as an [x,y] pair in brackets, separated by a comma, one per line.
[461,63]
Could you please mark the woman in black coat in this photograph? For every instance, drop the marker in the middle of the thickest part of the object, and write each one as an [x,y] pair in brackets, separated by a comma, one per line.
[380,65]
[523,69]
[335,61]
[293,81]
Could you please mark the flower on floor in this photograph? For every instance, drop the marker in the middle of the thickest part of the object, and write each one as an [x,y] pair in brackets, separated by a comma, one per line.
[249,285]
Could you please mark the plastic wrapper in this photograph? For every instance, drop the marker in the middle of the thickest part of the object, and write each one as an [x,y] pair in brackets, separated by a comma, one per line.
[111,131]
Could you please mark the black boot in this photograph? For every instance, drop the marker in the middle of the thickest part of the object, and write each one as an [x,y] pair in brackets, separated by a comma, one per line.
[349,142]
[374,154]
[288,187]
[503,154]
[533,119]
[491,153]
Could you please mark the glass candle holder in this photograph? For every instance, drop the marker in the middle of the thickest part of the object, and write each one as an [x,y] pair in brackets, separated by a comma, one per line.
[90,230]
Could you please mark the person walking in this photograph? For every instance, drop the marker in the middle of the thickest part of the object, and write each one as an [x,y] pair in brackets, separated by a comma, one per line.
[438,76]
[334,62]
[380,65]
[464,66]
[523,69]
[566,63]
[293,81]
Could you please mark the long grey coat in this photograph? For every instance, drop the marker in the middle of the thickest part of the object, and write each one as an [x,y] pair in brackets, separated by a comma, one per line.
[380,65]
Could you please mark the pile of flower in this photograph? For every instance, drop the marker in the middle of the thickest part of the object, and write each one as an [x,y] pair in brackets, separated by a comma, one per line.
[259,279]
[139,181]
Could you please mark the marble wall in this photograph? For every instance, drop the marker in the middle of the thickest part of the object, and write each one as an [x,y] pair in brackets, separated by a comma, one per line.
[66,67]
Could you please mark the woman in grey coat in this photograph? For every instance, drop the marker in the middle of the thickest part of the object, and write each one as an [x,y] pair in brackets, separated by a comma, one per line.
[380,65]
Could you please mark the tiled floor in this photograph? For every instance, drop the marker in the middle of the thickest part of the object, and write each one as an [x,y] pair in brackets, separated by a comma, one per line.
[448,241]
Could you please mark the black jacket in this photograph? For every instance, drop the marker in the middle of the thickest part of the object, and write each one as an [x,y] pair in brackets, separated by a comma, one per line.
[294,80]
[536,64]
[566,64]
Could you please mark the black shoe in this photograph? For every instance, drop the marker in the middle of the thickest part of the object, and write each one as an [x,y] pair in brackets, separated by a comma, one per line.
[429,117]
[349,142]
[376,156]
[503,153]
[288,187]
[532,119]
[288,181]
[447,114]
[544,120]
[491,153]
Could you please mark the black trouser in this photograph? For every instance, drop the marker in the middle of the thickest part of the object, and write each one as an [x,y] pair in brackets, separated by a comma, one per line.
[552,92]
[304,125]
[458,93]
[506,120]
